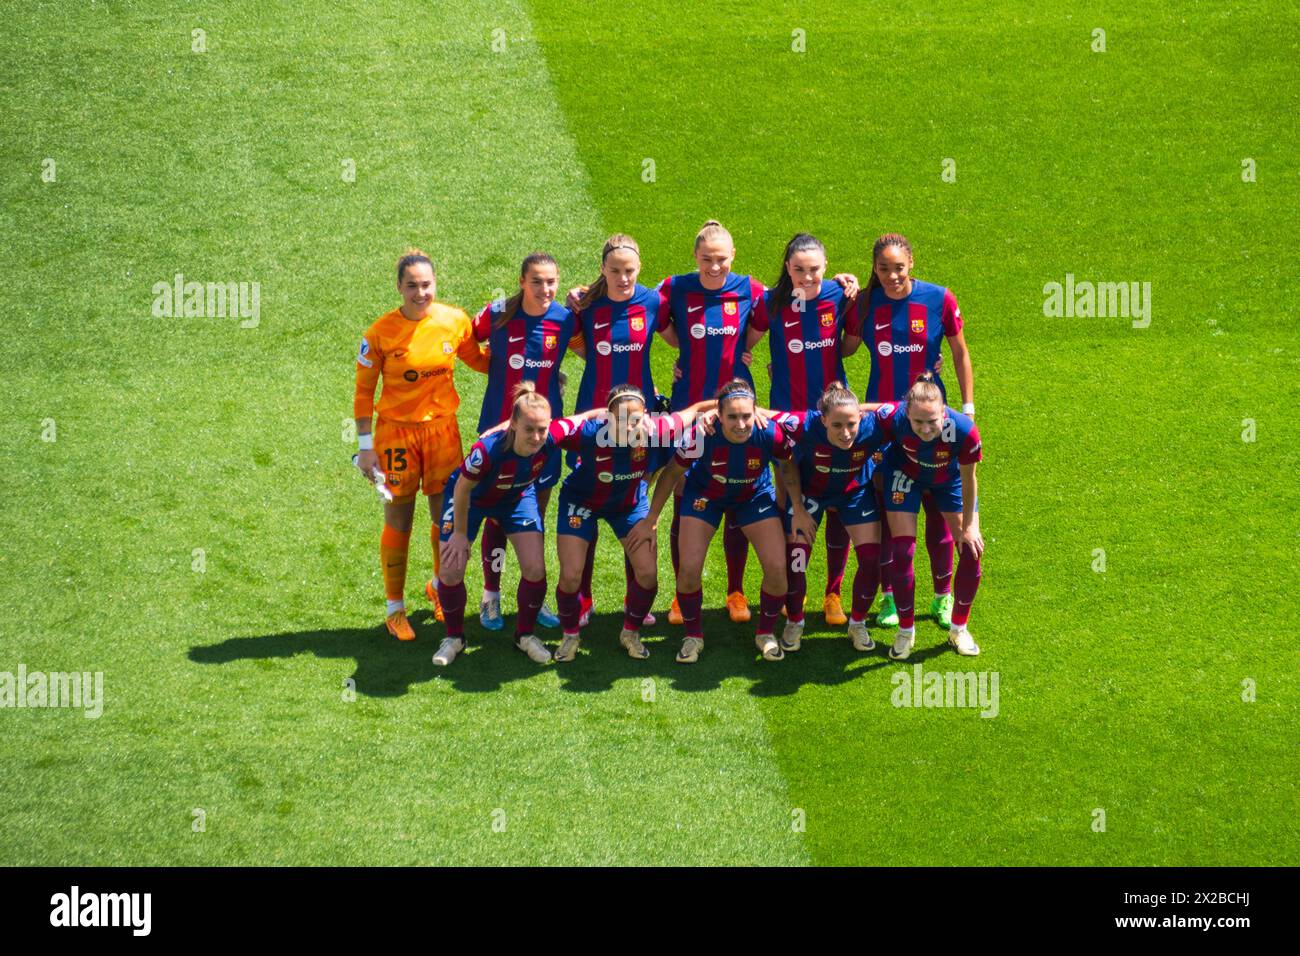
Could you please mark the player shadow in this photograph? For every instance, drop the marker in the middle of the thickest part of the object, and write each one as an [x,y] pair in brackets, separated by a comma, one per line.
[386,667]
[826,658]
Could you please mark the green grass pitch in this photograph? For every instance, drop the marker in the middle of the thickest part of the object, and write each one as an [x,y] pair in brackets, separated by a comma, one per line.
[194,530]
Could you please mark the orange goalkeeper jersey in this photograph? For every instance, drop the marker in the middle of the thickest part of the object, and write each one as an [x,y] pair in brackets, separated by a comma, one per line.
[416,359]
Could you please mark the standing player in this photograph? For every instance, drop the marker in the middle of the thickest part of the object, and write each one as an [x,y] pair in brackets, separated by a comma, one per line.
[616,317]
[833,447]
[905,321]
[933,450]
[727,473]
[416,442]
[527,336]
[807,312]
[497,481]
[614,457]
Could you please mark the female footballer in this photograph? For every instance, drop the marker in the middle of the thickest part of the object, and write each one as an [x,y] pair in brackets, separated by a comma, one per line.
[905,321]
[497,481]
[416,441]
[608,484]
[806,313]
[615,317]
[933,449]
[727,473]
[527,335]
[834,443]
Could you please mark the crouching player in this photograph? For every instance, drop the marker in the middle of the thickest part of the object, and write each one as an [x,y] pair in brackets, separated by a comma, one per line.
[726,475]
[833,447]
[498,480]
[607,484]
[934,449]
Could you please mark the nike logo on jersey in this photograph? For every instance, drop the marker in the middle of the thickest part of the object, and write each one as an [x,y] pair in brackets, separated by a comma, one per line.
[605,326]
[789,324]
[516,338]
[694,308]
[762,510]
[885,326]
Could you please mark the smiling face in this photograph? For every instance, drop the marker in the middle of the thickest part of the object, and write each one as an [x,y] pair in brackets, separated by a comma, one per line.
[417,287]
[714,258]
[894,271]
[737,418]
[620,269]
[806,270]
[842,423]
[539,284]
[926,418]
[628,421]
[531,423]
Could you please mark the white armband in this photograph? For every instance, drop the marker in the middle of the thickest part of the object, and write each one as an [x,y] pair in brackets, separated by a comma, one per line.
[968,408]
[366,441]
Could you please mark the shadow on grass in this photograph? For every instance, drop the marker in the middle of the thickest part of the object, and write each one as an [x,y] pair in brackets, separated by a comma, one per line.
[389,668]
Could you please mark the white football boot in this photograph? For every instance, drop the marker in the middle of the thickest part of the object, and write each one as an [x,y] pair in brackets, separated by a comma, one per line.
[903,644]
[568,648]
[534,648]
[860,637]
[768,646]
[961,639]
[690,652]
[448,649]
[792,636]
[631,641]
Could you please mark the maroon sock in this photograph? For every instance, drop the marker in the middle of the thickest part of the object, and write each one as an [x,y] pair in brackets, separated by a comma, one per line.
[837,552]
[452,599]
[529,597]
[968,582]
[866,579]
[569,606]
[692,604]
[492,552]
[639,600]
[736,546]
[798,554]
[769,609]
[904,582]
[938,541]
[585,587]
[673,531]
[886,554]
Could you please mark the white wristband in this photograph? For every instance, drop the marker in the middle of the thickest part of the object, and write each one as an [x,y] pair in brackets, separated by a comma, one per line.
[968,408]
[366,441]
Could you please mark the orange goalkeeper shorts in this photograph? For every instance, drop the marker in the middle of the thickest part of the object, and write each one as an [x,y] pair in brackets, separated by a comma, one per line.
[417,455]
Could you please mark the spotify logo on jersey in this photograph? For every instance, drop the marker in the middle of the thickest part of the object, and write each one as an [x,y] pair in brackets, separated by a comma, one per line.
[795,346]
[603,348]
[697,330]
[886,349]
[515,361]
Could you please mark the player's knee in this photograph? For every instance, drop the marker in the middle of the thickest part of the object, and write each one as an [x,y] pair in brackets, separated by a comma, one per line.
[533,568]
[570,580]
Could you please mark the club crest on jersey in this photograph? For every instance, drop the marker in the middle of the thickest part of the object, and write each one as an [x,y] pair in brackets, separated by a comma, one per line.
[859,454]
[878,457]
[754,464]
[941,453]
[918,325]
[729,308]
[447,348]
[898,497]
[446,527]
[828,319]
[638,453]
[575,521]
[637,323]
[548,343]
[699,504]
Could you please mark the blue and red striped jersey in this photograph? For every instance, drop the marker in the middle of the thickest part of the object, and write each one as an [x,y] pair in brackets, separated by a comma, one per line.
[936,461]
[502,475]
[527,348]
[608,476]
[617,336]
[905,336]
[718,470]
[805,346]
[825,469]
[711,326]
